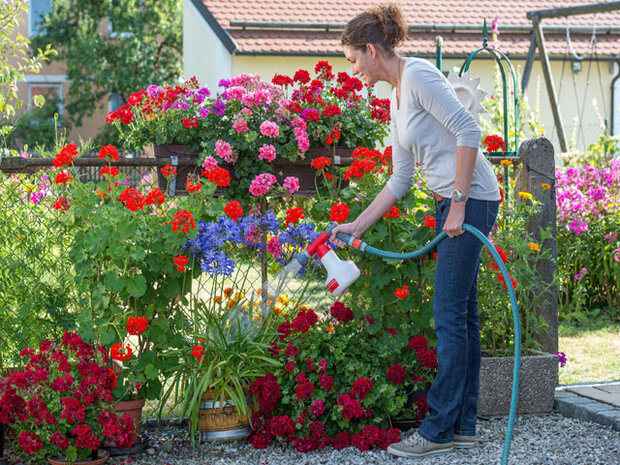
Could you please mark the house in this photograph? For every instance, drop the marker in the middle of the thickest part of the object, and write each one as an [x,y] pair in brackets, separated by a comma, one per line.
[51,81]
[223,38]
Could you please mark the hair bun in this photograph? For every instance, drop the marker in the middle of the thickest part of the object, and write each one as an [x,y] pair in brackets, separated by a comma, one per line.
[392,23]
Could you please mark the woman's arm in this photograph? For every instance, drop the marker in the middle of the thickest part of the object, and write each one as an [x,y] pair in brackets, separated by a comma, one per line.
[465,163]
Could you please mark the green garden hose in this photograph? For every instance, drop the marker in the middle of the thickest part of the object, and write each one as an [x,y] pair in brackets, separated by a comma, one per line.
[363,247]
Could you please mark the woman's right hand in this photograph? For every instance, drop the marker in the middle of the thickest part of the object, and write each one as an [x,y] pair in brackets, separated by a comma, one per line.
[348,228]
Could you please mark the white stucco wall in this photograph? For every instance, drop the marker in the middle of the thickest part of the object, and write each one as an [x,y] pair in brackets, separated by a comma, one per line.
[204,55]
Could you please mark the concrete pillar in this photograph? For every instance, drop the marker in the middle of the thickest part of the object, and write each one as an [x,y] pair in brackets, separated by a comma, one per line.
[538,167]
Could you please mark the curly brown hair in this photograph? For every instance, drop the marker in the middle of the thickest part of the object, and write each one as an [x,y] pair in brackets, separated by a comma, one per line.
[384,25]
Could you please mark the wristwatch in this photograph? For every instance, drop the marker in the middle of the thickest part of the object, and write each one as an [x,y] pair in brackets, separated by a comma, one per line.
[458,196]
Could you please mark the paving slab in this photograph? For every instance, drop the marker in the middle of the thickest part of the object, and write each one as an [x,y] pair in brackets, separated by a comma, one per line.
[592,402]
[598,394]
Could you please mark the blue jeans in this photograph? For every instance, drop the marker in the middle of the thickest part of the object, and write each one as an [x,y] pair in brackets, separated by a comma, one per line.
[453,396]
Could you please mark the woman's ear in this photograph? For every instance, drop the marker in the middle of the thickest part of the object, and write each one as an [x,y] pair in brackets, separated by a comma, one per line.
[372,50]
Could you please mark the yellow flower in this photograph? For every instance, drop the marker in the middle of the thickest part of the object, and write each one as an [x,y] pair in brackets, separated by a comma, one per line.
[512,182]
[330,328]
[231,303]
[283,300]
[29,188]
[525,195]
[218,299]
[277,310]
[534,247]
[545,186]
[506,162]
[303,308]
[227,292]
[100,194]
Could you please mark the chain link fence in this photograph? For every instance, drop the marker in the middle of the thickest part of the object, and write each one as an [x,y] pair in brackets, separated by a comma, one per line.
[38,296]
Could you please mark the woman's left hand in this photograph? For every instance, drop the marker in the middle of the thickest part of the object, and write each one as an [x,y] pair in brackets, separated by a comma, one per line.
[454,222]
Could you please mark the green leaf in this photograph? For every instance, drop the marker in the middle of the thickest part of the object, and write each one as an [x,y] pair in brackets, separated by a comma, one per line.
[151,372]
[136,285]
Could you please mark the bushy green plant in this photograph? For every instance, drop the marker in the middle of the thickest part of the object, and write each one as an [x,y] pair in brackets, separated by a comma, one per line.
[522,254]
[588,199]
[127,255]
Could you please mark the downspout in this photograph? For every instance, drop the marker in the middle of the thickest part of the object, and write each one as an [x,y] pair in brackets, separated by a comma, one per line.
[614,104]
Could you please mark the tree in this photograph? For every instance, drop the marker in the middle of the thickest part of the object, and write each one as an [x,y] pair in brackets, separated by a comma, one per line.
[15,62]
[113,48]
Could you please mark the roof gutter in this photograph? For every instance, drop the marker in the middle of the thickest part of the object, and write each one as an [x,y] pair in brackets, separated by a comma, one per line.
[419,28]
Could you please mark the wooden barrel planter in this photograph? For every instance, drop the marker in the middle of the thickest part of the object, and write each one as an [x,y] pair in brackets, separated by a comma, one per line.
[219,419]
[182,152]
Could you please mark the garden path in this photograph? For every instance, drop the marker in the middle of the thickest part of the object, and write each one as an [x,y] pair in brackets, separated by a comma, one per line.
[599,402]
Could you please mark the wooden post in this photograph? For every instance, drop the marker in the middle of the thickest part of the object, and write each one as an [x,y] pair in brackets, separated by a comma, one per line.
[537,160]
[553,100]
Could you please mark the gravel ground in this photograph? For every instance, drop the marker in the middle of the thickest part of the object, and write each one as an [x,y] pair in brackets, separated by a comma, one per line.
[537,440]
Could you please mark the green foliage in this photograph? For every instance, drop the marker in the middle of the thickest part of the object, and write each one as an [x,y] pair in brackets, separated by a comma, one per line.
[346,351]
[123,264]
[224,350]
[143,48]
[588,197]
[524,257]
[38,127]
[36,290]
[15,62]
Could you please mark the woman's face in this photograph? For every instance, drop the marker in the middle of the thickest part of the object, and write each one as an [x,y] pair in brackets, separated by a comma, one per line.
[361,63]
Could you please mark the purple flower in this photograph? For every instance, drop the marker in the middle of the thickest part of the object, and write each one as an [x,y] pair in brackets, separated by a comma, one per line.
[561,358]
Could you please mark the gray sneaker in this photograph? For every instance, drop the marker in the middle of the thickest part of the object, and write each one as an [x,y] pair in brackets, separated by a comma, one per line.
[464,442]
[416,446]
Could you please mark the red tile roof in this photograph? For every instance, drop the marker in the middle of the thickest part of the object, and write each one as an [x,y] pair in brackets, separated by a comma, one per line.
[261,39]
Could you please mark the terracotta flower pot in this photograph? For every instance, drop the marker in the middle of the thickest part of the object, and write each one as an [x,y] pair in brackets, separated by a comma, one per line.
[134,409]
[102,458]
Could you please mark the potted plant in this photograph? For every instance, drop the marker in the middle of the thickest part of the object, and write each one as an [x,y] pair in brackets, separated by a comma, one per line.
[60,405]
[522,254]
[227,345]
[127,254]
[252,127]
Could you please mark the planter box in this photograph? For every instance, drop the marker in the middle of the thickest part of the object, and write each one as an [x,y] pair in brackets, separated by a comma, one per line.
[538,378]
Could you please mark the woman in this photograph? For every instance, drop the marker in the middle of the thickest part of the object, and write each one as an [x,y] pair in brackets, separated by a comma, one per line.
[432,129]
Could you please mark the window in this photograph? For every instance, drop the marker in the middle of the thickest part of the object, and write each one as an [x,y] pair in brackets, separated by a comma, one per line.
[38,10]
[49,91]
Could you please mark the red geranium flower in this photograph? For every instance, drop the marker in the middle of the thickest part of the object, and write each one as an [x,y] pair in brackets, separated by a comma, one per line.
[192,187]
[393,212]
[183,220]
[62,177]
[155,196]
[111,170]
[293,215]
[132,199]
[120,353]
[180,261]
[500,278]
[396,373]
[169,170]
[339,212]
[61,204]
[493,143]
[234,210]
[429,221]
[65,156]
[320,162]
[136,325]
[401,293]
[190,122]
[219,176]
[109,152]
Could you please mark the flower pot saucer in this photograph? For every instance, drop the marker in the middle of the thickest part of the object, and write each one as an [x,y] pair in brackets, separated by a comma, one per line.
[137,448]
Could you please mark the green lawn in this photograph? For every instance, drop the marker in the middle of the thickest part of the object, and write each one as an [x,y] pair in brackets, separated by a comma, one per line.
[593,352]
